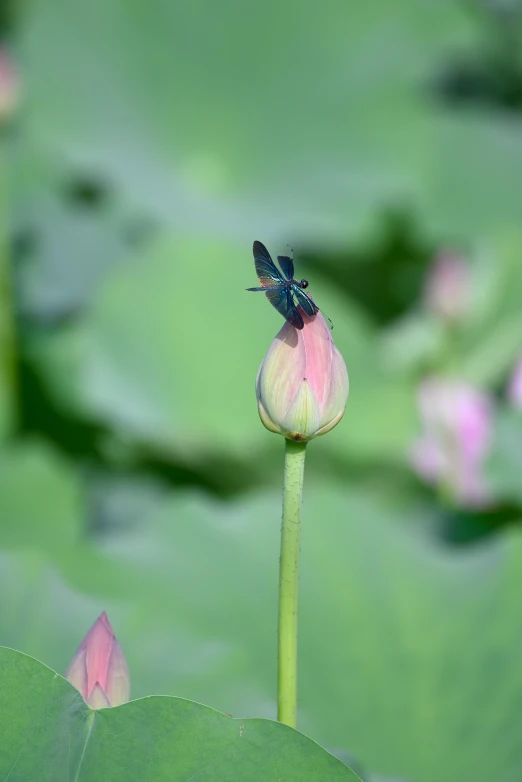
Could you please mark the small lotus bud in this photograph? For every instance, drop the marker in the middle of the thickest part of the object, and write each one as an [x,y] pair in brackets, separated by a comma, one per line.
[98,669]
[9,86]
[457,421]
[302,384]
[515,386]
[448,287]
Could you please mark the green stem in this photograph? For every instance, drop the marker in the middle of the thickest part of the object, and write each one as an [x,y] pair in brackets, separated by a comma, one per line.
[8,374]
[288,583]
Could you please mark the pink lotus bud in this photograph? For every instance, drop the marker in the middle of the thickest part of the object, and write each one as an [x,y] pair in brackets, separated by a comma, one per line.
[515,386]
[98,669]
[302,384]
[448,287]
[458,425]
[9,86]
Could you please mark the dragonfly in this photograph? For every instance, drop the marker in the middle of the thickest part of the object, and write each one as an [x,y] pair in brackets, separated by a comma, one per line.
[283,292]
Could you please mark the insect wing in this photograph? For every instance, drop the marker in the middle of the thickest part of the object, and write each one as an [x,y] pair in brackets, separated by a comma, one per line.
[287,265]
[306,303]
[272,287]
[266,270]
[282,300]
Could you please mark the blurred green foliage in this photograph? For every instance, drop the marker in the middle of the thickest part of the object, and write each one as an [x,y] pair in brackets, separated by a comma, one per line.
[153,143]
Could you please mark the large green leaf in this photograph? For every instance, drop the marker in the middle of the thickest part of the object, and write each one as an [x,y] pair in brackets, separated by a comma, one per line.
[40,498]
[49,733]
[307,124]
[72,250]
[41,511]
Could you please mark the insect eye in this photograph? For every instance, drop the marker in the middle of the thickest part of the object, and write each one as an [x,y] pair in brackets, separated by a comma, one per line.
[304,283]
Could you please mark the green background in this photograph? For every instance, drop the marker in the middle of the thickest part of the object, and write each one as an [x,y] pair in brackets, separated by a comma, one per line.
[152,143]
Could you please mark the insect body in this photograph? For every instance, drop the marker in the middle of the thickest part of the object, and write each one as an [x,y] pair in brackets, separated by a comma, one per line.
[283,292]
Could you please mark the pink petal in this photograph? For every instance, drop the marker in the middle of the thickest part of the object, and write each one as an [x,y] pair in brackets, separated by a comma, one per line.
[316,342]
[458,422]
[339,387]
[99,641]
[76,673]
[302,419]
[98,698]
[448,286]
[282,371]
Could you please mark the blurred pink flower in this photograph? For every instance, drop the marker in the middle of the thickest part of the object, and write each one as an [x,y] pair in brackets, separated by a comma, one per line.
[9,85]
[457,422]
[98,669]
[515,386]
[447,291]
[302,384]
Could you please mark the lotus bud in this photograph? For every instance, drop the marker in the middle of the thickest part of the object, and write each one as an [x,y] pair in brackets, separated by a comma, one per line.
[302,384]
[98,669]
[458,422]
[448,287]
[515,386]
